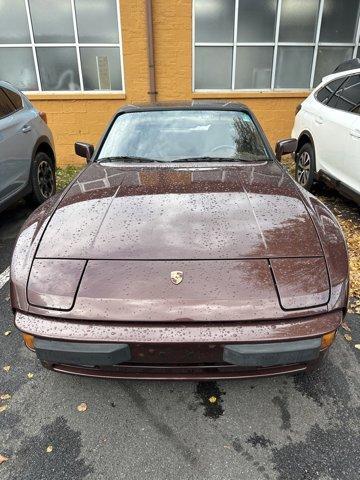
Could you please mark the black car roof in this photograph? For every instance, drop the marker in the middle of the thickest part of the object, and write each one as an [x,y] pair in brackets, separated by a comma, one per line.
[192,105]
[352,64]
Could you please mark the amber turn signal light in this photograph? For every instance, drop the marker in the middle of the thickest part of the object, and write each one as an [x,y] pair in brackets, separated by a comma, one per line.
[327,340]
[29,341]
[43,116]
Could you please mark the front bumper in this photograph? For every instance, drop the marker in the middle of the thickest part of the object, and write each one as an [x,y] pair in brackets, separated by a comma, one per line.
[179,351]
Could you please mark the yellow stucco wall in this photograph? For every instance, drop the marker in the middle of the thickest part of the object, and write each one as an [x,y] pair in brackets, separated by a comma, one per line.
[84,116]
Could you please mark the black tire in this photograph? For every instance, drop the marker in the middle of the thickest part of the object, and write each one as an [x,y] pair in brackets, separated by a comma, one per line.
[42,177]
[305,166]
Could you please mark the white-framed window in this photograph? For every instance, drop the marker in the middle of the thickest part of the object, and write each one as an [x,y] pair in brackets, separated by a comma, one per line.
[271,44]
[61,45]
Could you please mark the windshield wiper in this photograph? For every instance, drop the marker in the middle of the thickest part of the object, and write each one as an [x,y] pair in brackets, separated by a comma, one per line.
[220,159]
[134,159]
[129,158]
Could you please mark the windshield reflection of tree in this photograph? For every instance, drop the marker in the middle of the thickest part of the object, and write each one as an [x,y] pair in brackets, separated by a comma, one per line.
[247,141]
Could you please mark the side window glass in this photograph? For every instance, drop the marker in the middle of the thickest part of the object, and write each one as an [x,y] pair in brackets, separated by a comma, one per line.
[324,95]
[333,100]
[14,98]
[6,107]
[348,96]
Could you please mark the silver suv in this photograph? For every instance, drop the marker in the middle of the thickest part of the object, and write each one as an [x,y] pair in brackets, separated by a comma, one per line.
[27,158]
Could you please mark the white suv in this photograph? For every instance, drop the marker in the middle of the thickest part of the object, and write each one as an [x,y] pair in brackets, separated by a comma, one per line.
[327,127]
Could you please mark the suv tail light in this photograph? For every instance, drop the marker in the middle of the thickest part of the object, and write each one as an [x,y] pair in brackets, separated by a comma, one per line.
[43,116]
[297,109]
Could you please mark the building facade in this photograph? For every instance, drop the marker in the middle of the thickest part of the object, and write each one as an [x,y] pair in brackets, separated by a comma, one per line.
[80,60]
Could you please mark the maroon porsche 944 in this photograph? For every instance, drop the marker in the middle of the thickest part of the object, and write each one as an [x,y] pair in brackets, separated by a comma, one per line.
[183,250]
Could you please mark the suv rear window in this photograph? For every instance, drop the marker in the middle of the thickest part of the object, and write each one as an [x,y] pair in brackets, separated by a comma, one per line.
[14,98]
[325,93]
[6,106]
[342,94]
[348,96]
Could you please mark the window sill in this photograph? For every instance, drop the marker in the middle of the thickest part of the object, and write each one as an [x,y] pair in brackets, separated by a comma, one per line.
[211,94]
[75,96]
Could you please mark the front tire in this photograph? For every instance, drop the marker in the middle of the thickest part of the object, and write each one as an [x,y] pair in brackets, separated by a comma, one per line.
[305,166]
[42,177]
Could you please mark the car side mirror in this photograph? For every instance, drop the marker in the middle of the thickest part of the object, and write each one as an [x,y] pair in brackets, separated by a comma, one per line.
[284,147]
[85,150]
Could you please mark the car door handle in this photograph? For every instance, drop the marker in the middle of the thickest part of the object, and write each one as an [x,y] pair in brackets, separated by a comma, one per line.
[355,133]
[319,120]
[26,129]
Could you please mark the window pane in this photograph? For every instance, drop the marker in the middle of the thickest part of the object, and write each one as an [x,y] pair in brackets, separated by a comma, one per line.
[14,98]
[214,20]
[97,21]
[339,20]
[326,92]
[213,67]
[6,108]
[52,21]
[298,20]
[332,101]
[101,68]
[58,68]
[13,22]
[17,67]
[328,59]
[293,68]
[256,20]
[253,67]
[349,94]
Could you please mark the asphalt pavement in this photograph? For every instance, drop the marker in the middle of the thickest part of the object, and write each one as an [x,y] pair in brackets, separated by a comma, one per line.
[289,427]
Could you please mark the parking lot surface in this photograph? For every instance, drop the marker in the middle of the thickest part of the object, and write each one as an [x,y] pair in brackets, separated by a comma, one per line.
[288,427]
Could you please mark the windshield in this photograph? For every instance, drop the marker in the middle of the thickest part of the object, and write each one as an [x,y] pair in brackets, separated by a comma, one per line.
[183,135]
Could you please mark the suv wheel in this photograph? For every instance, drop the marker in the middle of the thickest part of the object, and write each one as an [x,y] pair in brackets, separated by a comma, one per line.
[305,166]
[42,178]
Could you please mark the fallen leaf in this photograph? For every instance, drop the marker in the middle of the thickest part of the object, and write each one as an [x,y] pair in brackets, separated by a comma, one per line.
[3,459]
[3,408]
[357,346]
[49,449]
[7,368]
[82,407]
[30,375]
[346,327]
[6,396]
[7,333]
[348,337]
[212,399]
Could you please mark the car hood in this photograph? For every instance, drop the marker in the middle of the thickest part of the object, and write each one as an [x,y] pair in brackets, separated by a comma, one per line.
[181,212]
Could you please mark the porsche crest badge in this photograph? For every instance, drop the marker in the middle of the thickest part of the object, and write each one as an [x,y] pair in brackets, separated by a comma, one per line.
[176,277]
